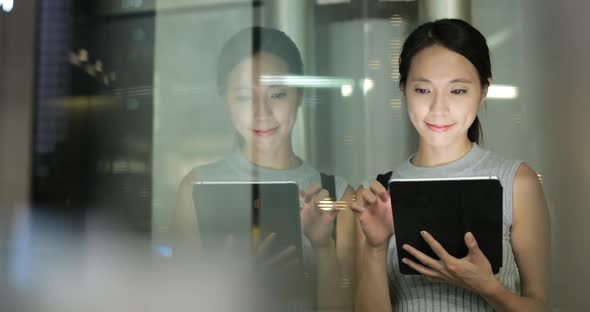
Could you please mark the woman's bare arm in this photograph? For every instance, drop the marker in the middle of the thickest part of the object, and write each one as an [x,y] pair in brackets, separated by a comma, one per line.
[374,227]
[530,237]
[331,263]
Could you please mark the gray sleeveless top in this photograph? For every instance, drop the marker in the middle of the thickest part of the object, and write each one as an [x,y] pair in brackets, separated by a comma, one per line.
[416,293]
[235,167]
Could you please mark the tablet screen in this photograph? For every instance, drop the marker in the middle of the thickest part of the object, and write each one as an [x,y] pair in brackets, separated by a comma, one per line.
[447,209]
[249,211]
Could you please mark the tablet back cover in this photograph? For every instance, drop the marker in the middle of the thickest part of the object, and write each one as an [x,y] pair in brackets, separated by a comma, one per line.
[448,209]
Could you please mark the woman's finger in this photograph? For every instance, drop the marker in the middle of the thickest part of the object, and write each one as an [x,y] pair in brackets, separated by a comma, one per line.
[368,198]
[265,244]
[380,191]
[438,249]
[324,204]
[284,254]
[472,245]
[426,271]
[357,204]
[310,192]
[321,195]
[424,258]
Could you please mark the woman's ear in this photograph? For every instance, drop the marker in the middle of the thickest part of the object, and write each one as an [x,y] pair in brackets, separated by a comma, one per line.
[484,92]
[300,96]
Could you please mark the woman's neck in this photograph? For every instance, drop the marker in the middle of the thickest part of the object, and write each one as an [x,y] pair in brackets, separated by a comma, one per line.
[280,159]
[434,156]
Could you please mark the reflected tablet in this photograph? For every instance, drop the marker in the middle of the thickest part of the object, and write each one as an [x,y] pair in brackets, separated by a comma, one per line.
[448,208]
[249,211]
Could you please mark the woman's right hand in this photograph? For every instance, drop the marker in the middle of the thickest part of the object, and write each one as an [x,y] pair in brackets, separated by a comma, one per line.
[373,209]
[264,257]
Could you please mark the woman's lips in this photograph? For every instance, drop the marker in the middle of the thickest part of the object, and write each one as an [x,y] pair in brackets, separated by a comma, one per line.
[265,132]
[438,128]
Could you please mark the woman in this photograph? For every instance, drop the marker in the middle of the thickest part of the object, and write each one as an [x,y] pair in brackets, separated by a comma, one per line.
[263,116]
[445,74]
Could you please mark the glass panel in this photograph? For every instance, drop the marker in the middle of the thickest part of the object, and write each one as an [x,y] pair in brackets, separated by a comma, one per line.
[173,153]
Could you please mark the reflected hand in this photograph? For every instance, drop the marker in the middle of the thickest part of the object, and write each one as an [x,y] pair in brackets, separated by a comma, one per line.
[473,272]
[283,259]
[372,206]
[262,259]
[264,275]
[316,224]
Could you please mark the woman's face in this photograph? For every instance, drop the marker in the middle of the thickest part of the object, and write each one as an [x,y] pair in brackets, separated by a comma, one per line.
[443,93]
[263,114]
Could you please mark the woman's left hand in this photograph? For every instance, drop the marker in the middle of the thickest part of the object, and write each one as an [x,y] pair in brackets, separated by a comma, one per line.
[473,272]
[316,224]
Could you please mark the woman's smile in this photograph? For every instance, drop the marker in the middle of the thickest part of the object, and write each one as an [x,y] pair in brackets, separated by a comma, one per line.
[438,127]
[265,132]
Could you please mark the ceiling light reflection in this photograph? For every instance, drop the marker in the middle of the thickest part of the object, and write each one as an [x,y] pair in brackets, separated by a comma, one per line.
[368,85]
[346,90]
[306,81]
[502,92]
[7,5]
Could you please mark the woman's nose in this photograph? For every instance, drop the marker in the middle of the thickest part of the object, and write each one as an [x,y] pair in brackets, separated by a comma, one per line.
[260,105]
[439,104]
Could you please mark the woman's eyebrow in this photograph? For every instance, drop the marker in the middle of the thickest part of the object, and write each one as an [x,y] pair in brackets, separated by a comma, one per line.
[462,80]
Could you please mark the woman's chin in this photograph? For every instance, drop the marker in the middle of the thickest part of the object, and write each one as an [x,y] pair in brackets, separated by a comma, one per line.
[438,141]
[263,144]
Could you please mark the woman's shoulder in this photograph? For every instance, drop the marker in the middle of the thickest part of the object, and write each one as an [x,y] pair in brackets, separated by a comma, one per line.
[491,157]
[204,171]
[526,178]
[514,173]
[397,171]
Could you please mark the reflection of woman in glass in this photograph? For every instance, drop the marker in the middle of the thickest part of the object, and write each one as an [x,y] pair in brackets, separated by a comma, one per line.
[263,116]
[445,73]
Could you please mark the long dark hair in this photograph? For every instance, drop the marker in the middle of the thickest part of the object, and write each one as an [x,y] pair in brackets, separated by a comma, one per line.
[459,37]
[251,41]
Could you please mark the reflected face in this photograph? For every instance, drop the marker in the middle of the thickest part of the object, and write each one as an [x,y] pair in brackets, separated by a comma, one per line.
[443,93]
[264,115]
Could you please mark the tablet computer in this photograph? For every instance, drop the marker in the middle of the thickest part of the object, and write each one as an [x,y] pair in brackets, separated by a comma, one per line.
[249,211]
[447,208]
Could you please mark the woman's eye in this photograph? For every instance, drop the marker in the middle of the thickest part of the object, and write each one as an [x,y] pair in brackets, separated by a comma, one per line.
[459,91]
[421,90]
[278,95]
